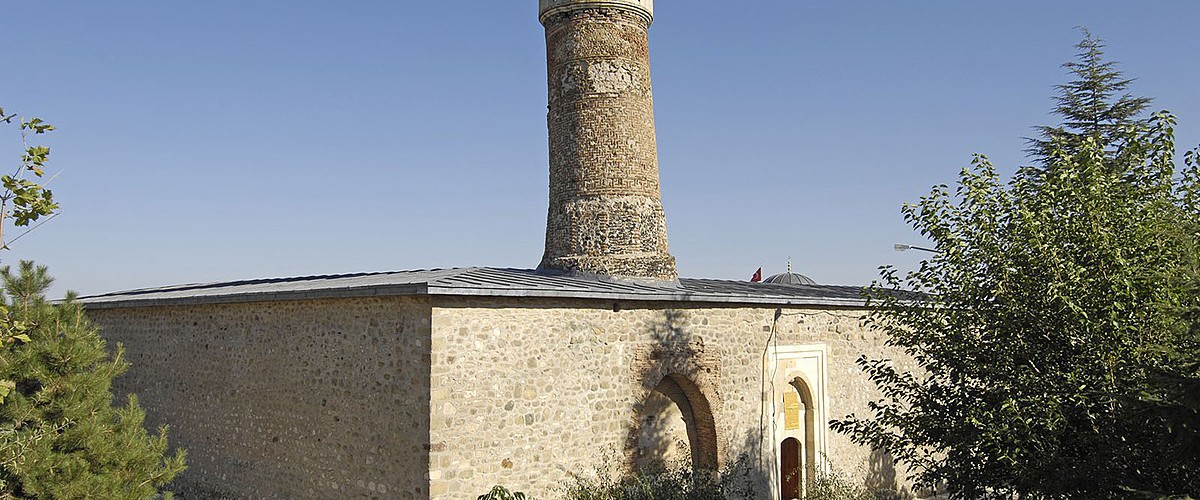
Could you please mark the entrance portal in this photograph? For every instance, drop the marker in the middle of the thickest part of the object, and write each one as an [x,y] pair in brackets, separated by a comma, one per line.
[798,419]
[798,459]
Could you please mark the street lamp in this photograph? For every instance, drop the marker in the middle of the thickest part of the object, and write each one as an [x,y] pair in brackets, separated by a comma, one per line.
[900,247]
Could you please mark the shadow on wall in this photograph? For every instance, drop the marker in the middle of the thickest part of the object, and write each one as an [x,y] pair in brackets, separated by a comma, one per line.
[673,415]
[674,443]
[881,471]
[674,432]
[882,479]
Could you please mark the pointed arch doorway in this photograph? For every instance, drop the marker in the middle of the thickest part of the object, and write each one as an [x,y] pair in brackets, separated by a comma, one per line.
[799,414]
[798,451]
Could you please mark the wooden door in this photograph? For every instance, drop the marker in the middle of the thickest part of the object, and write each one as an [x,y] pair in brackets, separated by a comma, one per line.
[791,469]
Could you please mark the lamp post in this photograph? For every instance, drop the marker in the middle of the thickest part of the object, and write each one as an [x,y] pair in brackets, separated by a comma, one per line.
[900,247]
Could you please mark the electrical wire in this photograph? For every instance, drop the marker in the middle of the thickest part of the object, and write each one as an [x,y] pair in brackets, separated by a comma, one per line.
[27,231]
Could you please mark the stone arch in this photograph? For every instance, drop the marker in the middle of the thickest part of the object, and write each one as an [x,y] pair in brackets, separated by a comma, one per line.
[694,411]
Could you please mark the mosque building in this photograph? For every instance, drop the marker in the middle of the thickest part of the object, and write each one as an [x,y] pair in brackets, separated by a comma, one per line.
[439,384]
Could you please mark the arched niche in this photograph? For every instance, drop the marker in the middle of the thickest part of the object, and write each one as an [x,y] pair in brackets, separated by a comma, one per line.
[675,421]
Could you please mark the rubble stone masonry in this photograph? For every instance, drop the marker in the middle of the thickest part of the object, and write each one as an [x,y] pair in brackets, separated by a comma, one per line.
[443,397]
[527,393]
[312,399]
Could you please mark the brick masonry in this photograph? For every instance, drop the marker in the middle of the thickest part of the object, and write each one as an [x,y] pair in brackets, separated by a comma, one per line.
[605,215]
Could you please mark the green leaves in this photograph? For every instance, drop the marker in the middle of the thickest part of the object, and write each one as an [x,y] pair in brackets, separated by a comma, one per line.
[37,126]
[30,200]
[1063,307]
[35,159]
[23,200]
[1094,104]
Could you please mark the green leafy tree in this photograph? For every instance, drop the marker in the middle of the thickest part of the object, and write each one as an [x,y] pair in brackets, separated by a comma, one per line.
[1056,331]
[60,435]
[23,201]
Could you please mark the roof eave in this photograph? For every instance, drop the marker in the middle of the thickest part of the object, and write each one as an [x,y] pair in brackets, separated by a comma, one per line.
[262,296]
[426,290]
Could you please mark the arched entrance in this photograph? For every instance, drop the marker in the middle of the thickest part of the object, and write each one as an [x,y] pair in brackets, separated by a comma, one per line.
[798,450]
[675,422]
[798,412]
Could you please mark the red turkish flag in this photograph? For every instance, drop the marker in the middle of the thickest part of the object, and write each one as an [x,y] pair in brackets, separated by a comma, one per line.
[757,276]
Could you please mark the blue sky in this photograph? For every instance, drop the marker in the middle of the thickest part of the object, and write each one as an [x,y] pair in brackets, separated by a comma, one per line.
[214,140]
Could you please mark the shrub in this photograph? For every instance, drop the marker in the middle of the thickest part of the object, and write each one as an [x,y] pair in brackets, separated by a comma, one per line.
[501,493]
[675,481]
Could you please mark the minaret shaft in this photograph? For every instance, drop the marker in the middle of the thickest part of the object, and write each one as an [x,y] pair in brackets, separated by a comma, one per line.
[605,215]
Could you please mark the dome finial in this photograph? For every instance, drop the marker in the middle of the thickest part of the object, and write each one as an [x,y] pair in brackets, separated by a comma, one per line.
[789,264]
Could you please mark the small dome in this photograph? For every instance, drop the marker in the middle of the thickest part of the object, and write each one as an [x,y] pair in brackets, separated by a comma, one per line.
[790,278]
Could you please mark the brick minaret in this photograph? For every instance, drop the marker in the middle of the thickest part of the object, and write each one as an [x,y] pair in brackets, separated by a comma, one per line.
[605,213]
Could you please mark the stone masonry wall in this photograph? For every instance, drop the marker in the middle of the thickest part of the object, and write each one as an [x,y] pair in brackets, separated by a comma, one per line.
[527,392]
[305,399]
[605,215]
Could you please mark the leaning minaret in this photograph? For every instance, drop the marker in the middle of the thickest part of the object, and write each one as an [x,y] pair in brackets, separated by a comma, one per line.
[605,213]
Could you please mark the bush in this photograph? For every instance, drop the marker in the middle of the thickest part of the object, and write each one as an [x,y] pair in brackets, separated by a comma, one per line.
[834,485]
[501,493]
[676,481]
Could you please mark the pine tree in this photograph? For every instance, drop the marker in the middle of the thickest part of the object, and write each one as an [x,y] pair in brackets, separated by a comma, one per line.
[60,435]
[1088,106]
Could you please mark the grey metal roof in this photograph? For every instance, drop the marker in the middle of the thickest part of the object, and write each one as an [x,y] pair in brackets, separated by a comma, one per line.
[480,281]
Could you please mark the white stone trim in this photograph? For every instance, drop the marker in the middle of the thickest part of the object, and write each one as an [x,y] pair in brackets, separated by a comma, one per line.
[547,8]
[810,363]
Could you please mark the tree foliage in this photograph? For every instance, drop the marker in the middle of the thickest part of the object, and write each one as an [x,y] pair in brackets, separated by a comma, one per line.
[60,436]
[1096,104]
[1057,336]
[24,201]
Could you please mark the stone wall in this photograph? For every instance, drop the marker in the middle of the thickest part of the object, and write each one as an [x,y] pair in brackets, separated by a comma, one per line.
[305,399]
[443,397]
[527,392]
